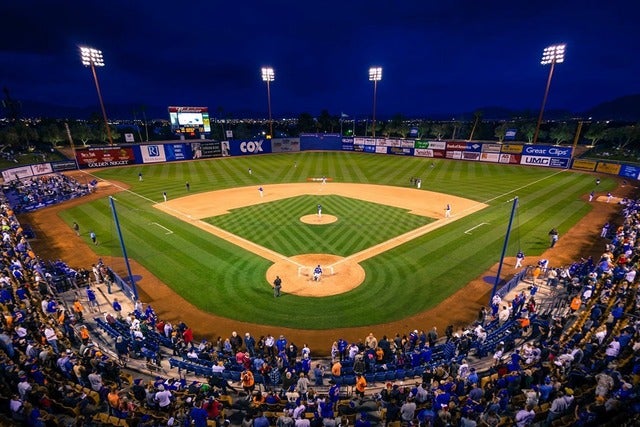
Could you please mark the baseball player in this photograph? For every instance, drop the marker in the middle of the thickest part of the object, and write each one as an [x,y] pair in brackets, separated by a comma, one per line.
[447,211]
[319,211]
[164,195]
[261,191]
[317,273]
[519,259]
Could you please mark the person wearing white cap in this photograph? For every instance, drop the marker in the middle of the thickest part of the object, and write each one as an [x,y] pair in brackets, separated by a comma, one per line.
[163,398]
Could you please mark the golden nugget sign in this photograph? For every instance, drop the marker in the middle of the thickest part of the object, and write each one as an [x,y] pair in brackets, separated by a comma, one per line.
[512,148]
[584,165]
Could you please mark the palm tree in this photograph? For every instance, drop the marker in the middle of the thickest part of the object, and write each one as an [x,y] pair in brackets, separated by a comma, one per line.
[477,117]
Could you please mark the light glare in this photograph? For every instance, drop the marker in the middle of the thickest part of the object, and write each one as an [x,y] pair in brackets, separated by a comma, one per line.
[90,56]
[553,54]
[268,75]
[375,74]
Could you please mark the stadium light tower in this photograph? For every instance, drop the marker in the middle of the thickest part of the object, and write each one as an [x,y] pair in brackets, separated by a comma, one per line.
[93,58]
[268,76]
[550,55]
[375,75]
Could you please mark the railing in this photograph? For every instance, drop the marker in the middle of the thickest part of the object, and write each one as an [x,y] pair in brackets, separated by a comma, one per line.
[123,285]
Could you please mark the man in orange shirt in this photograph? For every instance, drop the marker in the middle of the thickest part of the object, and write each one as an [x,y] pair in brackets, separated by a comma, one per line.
[77,309]
[361,385]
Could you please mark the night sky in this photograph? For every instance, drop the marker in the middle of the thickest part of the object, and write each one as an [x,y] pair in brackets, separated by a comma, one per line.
[437,57]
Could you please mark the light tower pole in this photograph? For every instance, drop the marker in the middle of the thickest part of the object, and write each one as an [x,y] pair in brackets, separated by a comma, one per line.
[375,75]
[268,75]
[93,58]
[551,55]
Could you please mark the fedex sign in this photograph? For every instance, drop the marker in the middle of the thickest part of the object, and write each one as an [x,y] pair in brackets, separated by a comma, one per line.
[546,150]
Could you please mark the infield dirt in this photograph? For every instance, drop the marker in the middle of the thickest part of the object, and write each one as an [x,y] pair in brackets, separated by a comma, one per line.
[56,240]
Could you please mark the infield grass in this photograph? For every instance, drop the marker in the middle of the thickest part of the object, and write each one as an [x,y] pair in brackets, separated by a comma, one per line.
[219,277]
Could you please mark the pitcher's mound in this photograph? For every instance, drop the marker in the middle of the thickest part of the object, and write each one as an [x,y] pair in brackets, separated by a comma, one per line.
[346,275]
[314,220]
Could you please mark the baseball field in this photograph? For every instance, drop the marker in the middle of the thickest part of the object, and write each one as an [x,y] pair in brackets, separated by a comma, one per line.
[386,249]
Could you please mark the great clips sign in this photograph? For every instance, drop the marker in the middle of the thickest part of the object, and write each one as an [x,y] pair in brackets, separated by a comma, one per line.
[547,151]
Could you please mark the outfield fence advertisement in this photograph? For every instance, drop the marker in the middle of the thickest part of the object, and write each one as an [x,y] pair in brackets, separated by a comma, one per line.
[550,156]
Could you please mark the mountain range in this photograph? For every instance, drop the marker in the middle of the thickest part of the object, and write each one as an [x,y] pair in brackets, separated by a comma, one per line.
[625,108]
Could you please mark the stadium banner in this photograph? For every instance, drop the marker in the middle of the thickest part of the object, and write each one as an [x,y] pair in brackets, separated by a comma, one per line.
[370,148]
[321,141]
[41,169]
[399,151]
[358,141]
[176,152]
[456,155]
[434,145]
[347,144]
[209,149]
[552,162]
[612,168]
[423,152]
[358,147]
[250,147]
[490,157]
[511,148]
[64,165]
[491,148]
[152,153]
[456,146]
[17,173]
[100,157]
[584,165]
[380,150]
[470,156]
[406,143]
[510,134]
[285,145]
[512,159]
[630,171]
[547,151]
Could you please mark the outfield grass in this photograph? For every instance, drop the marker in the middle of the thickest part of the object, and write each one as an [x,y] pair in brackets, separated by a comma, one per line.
[221,278]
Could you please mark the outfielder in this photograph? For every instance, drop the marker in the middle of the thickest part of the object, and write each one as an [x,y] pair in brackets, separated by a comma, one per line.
[319,212]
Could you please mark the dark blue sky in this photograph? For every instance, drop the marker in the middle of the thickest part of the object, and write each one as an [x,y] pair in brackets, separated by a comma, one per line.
[437,57]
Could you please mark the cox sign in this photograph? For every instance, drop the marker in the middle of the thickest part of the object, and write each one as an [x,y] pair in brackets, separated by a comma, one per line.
[251,146]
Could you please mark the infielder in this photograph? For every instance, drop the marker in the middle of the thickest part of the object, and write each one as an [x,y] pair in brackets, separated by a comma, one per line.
[317,272]
[319,212]
[447,211]
[261,192]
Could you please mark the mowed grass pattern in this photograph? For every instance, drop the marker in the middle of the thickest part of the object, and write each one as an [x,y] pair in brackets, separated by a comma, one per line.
[219,277]
[277,225]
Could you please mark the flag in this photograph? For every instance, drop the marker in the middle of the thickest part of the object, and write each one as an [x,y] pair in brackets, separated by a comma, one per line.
[343,115]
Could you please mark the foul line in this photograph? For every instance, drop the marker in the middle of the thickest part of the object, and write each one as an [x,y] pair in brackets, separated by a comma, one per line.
[473,228]
[162,226]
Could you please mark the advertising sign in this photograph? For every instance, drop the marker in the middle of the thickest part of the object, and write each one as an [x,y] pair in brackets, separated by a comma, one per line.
[513,159]
[456,155]
[381,150]
[612,168]
[65,165]
[285,145]
[470,156]
[16,173]
[490,157]
[554,162]
[511,148]
[175,152]
[41,169]
[510,134]
[584,165]
[369,149]
[423,152]
[630,171]
[254,146]
[99,157]
[152,153]
[208,149]
[459,146]
[546,150]
[399,151]
[491,148]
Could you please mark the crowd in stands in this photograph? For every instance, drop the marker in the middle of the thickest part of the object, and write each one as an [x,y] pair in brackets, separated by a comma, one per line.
[572,360]
[29,194]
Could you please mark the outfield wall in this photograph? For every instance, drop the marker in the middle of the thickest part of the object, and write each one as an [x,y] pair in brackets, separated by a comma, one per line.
[549,156]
